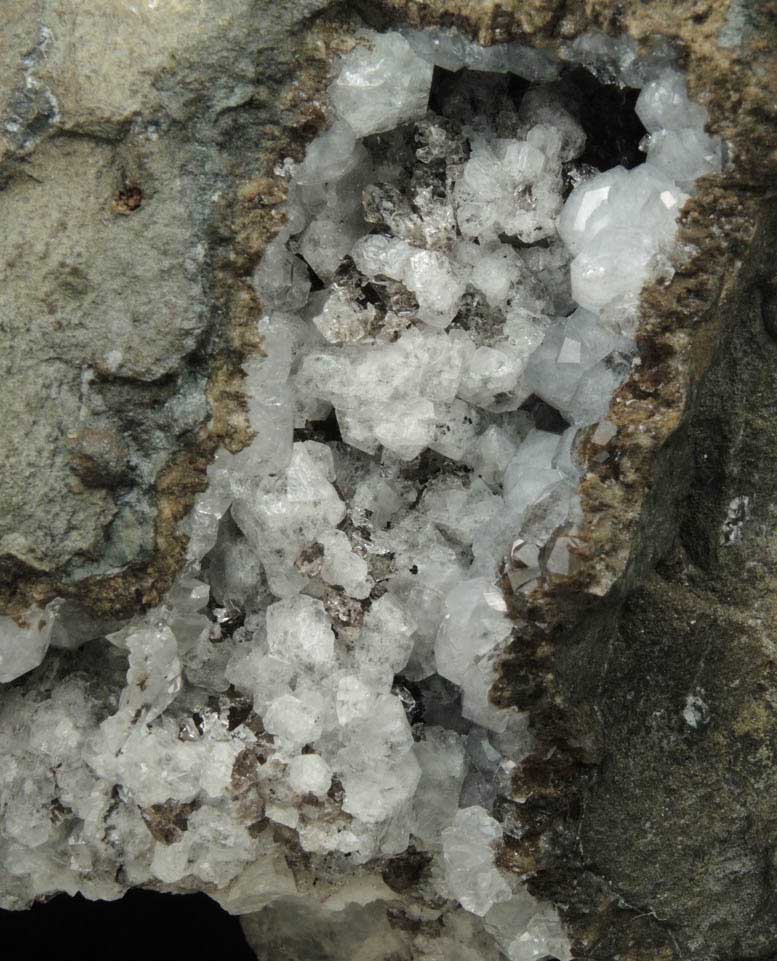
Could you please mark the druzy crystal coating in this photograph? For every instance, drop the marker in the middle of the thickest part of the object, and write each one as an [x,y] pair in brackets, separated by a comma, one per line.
[324,663]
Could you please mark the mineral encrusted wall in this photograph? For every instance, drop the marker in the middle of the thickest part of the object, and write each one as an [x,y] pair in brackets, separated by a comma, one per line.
[678,817]
[654,818]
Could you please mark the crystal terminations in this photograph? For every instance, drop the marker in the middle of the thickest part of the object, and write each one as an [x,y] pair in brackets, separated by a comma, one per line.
[323,666]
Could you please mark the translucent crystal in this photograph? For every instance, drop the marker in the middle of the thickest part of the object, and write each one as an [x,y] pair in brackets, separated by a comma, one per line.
[330,156]
[280,518]
[452,51]
[575,223]
[300,632]
[475,622]
[469,851]
[528,930]
[386,639]
[663,104]
[341,322]
[508,191]
[561,370]
[23,648]
[428,273]
[614,263]
[442,761]
[546,105]
[491,379]
[154,674]
[326,241]
[281,279]
[295,720]
[310,774]
[531,471]
[684,155]
[456,429]
[382,84]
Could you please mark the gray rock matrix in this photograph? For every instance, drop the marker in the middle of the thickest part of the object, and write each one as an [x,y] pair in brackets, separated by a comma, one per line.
[123,130]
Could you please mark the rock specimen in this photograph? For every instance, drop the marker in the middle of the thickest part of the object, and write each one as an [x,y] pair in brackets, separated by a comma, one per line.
[323,720]
[122,314]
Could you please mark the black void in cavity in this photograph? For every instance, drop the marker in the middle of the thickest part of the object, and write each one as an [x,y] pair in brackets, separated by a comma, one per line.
[142,926]
[605,111]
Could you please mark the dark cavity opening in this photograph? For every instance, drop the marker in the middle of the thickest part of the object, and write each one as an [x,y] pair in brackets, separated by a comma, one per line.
[141,926]
[605,111]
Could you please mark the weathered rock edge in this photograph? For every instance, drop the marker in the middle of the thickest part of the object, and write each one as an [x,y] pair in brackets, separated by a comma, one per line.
[278,118]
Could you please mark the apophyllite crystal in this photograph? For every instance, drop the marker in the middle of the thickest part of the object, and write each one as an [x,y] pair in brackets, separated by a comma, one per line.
[324,664]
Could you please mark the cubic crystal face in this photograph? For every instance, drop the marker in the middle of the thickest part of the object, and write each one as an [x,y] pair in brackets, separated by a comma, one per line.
[440,293]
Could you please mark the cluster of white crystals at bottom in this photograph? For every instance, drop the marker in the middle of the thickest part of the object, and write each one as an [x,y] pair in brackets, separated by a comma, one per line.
[443,315]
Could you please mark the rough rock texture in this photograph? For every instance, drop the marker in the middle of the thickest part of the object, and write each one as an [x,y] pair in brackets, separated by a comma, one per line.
[658,699]
[677,693]
[652,819]
[125,132]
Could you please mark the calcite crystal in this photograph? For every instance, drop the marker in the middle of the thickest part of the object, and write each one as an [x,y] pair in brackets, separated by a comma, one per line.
[451,301]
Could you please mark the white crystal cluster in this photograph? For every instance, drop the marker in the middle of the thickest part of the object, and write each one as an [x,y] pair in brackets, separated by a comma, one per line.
[322,670]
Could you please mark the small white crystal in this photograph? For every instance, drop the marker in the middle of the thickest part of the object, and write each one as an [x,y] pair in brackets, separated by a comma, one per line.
[545,105]
[527,929]
[342,568]
[475,622]
[23,648]
[280,519]
[571,370]
[531,471]
[386,639]
[354,699]
[585,201]
[154,674]
[616,262]
[434,281]
[469,851]
[299,631]
[170,862]
[663,104]
[684,155]
[381,84]
[456,429]
[326,241]
[492,379]
[340,322]
[500,193]
[295,720]
[310,774]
